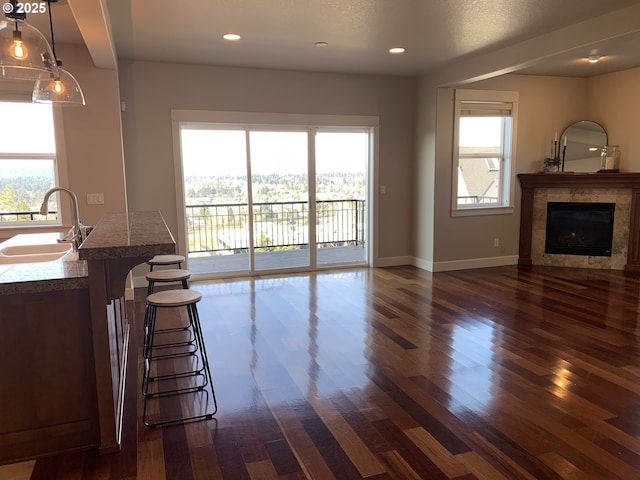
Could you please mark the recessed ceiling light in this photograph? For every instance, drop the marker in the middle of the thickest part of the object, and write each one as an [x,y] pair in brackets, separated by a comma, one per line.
[321,44]
[232,37]
[594,58]
[397,50]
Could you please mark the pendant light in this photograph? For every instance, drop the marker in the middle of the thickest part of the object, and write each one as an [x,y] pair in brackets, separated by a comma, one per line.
[24,51]
[57,87]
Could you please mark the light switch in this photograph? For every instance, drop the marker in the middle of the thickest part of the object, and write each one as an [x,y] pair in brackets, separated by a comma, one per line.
[383,189]
[95,198]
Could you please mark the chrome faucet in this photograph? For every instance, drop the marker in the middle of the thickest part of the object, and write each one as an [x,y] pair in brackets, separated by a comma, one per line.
[76,232]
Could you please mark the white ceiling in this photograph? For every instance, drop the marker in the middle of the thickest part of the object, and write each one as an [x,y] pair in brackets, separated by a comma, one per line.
[281,33]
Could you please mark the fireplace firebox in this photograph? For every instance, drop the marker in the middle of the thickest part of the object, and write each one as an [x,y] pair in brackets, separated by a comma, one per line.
[577,228]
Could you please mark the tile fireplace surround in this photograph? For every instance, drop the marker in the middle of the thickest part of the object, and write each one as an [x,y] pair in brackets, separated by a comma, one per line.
[623,189]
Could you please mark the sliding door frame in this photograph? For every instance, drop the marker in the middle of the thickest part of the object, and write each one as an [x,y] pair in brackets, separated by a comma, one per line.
[311,123]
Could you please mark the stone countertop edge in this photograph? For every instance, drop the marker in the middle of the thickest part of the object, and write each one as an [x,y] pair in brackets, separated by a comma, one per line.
[43,277]
[117,235]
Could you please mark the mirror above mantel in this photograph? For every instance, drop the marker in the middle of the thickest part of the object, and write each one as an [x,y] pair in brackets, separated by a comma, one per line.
[584,141]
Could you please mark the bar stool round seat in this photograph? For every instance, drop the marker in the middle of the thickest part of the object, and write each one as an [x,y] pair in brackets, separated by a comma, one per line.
[174,298]
[168,275]
[166,260]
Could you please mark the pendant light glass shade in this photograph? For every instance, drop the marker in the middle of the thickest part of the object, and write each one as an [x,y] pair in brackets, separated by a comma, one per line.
[58,89]
[25,53]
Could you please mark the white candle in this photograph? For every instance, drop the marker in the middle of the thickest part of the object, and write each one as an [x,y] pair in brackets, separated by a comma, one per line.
[555,138]
[609,163]
[565,140]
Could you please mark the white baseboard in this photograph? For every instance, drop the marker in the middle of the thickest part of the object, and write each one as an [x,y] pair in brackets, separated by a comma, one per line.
[140,281]
[393,261]
[448,266]
[474,263]
[422,264]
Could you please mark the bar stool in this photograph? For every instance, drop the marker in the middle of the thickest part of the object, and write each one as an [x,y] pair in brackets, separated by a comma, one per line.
[197,376]
[166,260]
[166,276]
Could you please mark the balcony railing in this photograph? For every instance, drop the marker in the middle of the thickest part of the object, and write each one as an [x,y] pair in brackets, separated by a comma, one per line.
[276,225]
[476,200]
[24,216]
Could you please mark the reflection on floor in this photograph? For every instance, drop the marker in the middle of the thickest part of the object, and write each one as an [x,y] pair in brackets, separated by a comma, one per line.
[397,373]
[350,255]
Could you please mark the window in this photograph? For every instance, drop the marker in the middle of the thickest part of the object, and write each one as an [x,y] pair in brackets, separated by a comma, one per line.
[27,161]
[484,142]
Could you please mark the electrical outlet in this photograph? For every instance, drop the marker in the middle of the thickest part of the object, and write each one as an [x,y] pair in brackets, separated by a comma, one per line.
[95,198]
[496,242]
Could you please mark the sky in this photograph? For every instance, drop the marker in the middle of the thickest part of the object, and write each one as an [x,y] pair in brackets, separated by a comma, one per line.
[222,152]
[26,128]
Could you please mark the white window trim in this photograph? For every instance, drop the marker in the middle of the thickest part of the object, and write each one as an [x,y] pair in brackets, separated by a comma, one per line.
[509,164]
[17,92]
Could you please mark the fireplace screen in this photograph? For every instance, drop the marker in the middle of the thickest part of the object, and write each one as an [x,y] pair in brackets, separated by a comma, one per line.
[579,228]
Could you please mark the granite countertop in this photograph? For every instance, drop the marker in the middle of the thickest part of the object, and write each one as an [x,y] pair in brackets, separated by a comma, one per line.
[138,235]
[116,235]
[37,277]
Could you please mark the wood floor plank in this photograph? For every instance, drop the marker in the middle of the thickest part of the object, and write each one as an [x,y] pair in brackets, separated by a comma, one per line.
[411,454]
[565,468]
[362,458]
[151,462]
[398,373]
[482,469]
[308,456]
[398,467]
[262,470]
[506,455]
[204,462]
[448,463]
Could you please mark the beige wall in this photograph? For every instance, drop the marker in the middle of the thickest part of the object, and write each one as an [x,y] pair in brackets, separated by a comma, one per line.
[93,139]
[152,90]
[547,105]
[424,179]
[615,100]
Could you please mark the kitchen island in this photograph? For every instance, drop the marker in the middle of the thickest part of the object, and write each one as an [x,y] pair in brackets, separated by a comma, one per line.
[64,340]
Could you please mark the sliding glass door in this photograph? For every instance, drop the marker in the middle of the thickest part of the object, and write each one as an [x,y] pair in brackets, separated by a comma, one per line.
[261,199]
[341,159]
[216,199]
[280,199]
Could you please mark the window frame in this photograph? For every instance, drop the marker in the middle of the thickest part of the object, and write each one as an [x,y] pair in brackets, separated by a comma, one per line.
[268,121]
[17,94]
[492,100]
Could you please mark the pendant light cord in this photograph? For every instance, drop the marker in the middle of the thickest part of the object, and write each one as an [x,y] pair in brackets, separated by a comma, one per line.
[53,42]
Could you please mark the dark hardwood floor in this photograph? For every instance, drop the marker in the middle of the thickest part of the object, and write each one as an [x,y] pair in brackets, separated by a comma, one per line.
[397,373]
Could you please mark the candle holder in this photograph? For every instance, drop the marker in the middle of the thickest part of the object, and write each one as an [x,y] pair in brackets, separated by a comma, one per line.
[554,163]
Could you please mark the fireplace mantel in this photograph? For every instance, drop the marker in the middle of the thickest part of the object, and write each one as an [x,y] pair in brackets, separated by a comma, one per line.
[530,181]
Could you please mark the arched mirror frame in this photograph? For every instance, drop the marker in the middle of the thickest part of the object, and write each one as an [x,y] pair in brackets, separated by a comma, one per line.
[584,141]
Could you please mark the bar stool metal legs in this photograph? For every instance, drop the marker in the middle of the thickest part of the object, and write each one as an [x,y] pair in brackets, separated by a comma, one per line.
[190,355]
[166,276]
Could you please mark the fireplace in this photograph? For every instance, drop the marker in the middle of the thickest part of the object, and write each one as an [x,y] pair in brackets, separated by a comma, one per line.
[622,189]
[579,228]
